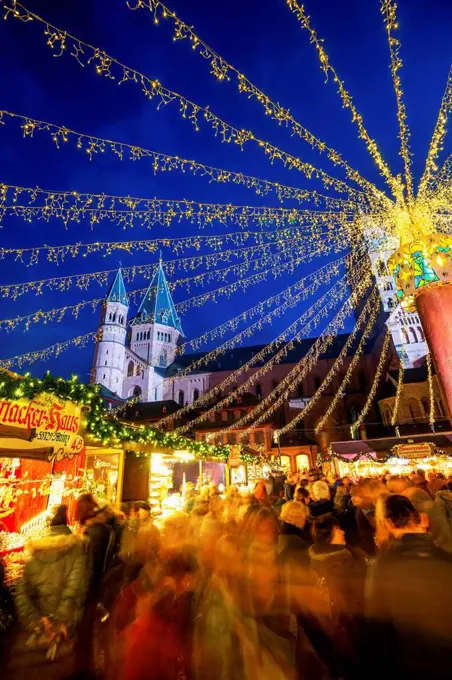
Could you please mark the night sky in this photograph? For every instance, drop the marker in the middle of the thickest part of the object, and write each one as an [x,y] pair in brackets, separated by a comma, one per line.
[264,41]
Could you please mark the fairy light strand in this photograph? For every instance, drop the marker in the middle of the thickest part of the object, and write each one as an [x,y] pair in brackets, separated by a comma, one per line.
[370,309]
[439,132]
[398,395]
[223,70]
[105,65]
[161,162]
[431,391]
[376,381]
[321,308]
[269,404]
[389,11]
[347,101]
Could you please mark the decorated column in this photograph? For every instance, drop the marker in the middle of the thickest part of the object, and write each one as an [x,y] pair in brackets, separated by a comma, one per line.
[423,273]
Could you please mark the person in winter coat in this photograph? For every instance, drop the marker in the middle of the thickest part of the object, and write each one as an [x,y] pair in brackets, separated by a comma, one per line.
[60,520]
[53,587]
[341,572]
[6,616]
[321,499]
[409,600]
[359,522]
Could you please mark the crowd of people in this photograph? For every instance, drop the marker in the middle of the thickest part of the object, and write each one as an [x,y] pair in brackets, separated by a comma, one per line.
[308,577]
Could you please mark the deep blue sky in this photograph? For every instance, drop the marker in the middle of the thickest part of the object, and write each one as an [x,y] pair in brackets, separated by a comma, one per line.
[264,41]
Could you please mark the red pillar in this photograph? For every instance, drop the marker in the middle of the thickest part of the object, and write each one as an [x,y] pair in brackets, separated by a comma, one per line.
[434,306]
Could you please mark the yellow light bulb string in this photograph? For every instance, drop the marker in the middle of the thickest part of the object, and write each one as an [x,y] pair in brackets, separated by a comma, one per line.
[58,38]
[347,101]
[389,11]
[222,69]
[325,303]
[398,395]
[166,163]
[370,309]
[431,391]
[277,397]
[378,373]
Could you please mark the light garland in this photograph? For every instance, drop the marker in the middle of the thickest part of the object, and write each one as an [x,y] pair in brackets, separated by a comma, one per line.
[346,98]
[161,162]
[278,396]
[108,67]
[49,352]
[283,300]
[223,70]
[147,271]
[389,11]
[436,143]
[100,427]
[373,389]
[325,303]
[431,392]
[399,391]
[371,309]
[336,293]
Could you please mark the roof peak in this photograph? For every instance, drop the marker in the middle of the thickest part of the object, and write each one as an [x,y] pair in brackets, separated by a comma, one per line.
[117,292]
[157,305]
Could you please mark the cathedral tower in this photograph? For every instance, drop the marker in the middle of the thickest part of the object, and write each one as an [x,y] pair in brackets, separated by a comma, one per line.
[109,357]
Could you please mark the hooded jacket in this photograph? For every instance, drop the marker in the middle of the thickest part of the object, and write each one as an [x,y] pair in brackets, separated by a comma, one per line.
[54,582]
[343,570]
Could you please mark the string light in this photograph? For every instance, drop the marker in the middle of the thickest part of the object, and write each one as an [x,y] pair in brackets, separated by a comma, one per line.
[346,98]
[399,391]
[161,162]
[284,300]
[101,426]
[371,307]
[373,389]
[431,392]
[324,304]
[48,353]
[278,396]
[108,67]
[223,70]
[436,143]
[389,11]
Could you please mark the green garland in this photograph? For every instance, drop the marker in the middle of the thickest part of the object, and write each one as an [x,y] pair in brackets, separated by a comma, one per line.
[99,425]
[393,453]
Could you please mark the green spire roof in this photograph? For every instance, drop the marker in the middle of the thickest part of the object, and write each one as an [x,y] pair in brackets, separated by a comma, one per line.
[117,291]
[157,306]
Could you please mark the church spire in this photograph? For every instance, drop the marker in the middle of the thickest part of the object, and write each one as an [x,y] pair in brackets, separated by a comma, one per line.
[157,305]
[117,292]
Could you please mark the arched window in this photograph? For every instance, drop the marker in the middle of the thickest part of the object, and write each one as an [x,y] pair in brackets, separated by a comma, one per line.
[181,398]
[169,337]
[137,391]
[405,337]
[114,317]
[138,370]
[420,333]
[105,362]
[149,335]
[130,369]
[259,391]
[163,359]
[195,395]
[390,303]
[109,317]
[413,333]
[158,335]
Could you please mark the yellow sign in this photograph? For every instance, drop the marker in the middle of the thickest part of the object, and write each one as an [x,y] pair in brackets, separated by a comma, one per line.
[44,420]
[420,450]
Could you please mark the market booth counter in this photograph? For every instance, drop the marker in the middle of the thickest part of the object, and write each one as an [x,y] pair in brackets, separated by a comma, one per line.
[395,455]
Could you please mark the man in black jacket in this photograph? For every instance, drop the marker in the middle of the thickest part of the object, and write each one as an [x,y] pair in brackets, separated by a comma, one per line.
[409,601]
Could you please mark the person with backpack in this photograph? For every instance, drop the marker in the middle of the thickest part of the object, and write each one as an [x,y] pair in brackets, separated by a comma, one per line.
[409,600]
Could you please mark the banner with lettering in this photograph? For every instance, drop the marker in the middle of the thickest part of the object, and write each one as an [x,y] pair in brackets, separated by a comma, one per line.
[45,421]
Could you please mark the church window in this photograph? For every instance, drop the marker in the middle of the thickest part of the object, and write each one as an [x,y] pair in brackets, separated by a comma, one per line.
[163,359]
[413,333]
[130,369]
[181,398]
[114,317]
[138,371]
[420,333]
[104,376]
[195,395]
[105,362]
[149,335]
[406,339]
[390,303]
[155,394]
[169,337]
[137,391]
[109,317]
[106,352]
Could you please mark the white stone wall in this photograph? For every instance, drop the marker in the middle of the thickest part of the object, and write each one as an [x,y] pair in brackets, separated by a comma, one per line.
[186,386]
[109,356]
